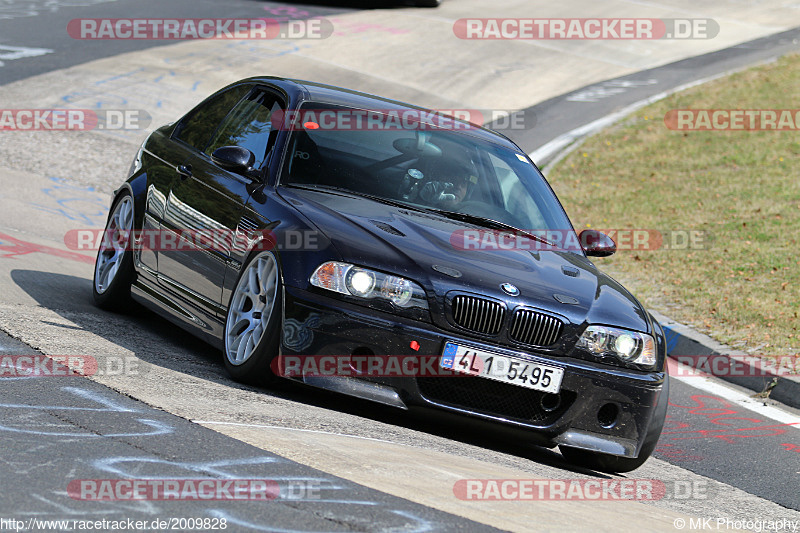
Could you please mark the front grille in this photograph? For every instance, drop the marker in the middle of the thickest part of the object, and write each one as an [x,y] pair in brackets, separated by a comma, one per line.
[478,314]
[536,329]
[485,396]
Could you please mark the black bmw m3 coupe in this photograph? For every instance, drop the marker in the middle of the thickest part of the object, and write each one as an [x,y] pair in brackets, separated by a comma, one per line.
[285,219]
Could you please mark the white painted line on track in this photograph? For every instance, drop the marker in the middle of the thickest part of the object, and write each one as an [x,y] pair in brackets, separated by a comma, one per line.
[700,381]
[560,143]
[566,142]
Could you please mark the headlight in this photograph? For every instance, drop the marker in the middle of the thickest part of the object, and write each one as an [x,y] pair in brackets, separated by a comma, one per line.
[345,278]
[627,346]
[360,282]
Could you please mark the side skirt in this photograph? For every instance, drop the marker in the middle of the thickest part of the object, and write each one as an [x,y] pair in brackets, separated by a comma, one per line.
[171,307]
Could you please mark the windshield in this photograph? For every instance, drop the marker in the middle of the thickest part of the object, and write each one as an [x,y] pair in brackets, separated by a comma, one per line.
[418,165]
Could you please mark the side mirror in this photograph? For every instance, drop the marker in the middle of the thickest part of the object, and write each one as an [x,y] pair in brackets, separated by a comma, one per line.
[234,158]
[596,243]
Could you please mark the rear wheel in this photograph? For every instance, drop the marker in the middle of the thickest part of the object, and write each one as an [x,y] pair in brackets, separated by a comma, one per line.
[252,328]
[113,269]
[611,463]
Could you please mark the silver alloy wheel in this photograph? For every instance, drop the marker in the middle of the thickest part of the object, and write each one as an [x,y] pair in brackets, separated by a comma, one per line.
[251,308]
[114,245]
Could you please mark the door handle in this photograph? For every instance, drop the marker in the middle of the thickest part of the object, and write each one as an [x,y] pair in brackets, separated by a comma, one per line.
[185,171]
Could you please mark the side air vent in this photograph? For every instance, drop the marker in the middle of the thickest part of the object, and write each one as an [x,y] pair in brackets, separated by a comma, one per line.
[247,224]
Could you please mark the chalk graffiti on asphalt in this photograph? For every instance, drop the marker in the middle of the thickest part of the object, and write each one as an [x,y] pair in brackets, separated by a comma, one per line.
[75,202]
[11,9]
[713,418]
[719,412]
[11,247]
[102,404]
[10,53]
[334,491]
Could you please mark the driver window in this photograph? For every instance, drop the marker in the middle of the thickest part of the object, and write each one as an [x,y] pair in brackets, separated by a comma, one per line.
[249,125]
[196,128]
[517,201]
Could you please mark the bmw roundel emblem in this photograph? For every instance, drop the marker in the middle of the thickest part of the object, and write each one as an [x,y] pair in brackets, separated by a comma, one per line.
[510,289]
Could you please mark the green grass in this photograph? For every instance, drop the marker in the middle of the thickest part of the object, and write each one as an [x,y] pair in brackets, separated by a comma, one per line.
[743,187]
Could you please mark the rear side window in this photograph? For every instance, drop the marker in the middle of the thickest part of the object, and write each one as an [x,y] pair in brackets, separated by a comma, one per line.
[249,125]
[197,127]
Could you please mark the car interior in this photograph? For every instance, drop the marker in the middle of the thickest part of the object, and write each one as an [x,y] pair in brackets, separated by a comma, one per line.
[398,165]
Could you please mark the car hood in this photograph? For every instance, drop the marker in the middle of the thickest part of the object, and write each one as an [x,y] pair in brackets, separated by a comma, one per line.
[420,246]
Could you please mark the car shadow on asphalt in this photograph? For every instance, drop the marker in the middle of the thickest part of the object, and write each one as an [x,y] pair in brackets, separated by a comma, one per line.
[71,298]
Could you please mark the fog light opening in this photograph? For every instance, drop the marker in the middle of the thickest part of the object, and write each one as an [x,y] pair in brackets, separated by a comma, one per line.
[361,351]
[550,402]
[607,415]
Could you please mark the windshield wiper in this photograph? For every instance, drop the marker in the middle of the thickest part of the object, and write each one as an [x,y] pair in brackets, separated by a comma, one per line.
[453,215]
[493,224]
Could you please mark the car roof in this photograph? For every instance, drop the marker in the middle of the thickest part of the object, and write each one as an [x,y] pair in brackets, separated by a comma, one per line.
[330,94]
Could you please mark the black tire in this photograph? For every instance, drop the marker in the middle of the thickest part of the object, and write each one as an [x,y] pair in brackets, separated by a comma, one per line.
[255,368]
[114,293]
[427,3]
[602,462]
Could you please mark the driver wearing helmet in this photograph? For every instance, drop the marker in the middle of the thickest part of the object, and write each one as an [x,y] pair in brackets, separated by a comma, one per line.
[447,193]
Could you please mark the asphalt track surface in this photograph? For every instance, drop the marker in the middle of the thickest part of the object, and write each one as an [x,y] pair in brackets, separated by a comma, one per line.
[45,29]
[562,114]
[59,429]
[62,429]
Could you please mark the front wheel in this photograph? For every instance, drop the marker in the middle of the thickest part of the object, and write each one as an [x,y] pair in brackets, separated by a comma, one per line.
[113,268]
[252,328]
[611,463]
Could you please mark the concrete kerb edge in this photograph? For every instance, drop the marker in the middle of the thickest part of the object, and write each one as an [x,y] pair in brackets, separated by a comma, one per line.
[681,339]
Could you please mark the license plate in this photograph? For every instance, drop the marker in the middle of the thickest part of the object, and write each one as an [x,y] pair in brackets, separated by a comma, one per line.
[511,370]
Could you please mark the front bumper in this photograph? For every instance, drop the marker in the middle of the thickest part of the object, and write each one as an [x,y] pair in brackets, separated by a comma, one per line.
[579,416]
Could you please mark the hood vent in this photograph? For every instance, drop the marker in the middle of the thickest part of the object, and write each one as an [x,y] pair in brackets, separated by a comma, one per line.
[568,300]
[570,271]
[388,228]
